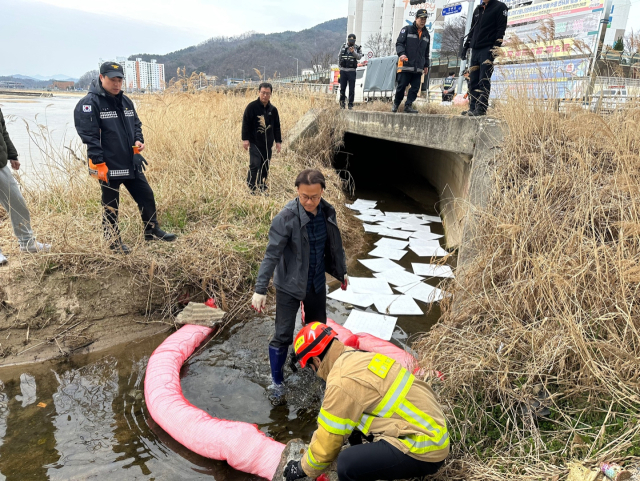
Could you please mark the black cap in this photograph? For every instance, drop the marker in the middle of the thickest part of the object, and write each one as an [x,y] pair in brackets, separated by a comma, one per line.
[111,69]
[352,35]
[422,13]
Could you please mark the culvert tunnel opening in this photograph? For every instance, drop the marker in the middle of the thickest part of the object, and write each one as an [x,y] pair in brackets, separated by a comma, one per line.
[435,180]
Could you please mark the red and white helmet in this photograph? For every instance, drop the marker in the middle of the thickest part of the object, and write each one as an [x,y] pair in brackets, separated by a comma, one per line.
[311,341]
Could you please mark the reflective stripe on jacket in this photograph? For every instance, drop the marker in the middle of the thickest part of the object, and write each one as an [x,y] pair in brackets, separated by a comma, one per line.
[377,396]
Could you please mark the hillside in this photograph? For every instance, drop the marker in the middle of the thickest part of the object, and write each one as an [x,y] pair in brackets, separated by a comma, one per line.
[228,56]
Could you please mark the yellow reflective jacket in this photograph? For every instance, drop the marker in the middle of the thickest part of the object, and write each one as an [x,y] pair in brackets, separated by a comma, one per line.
[377,396]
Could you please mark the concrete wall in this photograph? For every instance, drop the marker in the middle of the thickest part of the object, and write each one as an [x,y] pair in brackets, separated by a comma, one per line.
[452,153]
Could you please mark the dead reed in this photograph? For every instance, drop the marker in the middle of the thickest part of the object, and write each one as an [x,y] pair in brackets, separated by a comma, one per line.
[540,341]
[198,170]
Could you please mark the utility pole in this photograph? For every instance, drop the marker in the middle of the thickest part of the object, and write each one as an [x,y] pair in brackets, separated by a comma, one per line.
[297,70]
[602,31]
[243,73]
[467,28]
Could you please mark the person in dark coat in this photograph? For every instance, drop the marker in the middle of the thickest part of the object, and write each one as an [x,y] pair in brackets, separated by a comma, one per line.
[107,122]
[412,48]
[304,244]
[260,128]
[487,33]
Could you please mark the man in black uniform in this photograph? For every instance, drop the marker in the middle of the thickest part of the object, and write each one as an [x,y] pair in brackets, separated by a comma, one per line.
[449,87]
[487,32]
[348,57]
[260,127]
[108,124]
[413,49]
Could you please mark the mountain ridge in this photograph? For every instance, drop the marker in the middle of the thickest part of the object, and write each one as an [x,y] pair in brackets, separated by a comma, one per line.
[238,56]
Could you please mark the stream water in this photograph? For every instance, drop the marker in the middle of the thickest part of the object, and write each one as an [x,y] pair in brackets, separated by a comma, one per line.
[85,417]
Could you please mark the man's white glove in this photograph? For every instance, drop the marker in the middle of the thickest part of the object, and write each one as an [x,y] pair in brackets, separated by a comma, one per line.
[259,301]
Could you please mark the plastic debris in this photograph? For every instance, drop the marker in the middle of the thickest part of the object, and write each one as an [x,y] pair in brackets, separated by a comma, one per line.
[200,314]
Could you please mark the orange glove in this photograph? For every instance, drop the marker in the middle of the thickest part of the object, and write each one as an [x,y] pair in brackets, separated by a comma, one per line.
[98,171]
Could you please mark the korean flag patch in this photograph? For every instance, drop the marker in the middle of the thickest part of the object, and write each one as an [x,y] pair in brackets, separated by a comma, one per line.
[86,108]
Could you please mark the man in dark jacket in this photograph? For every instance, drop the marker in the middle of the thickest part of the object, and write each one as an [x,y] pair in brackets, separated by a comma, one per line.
[304,243]
[413,49]
[487,32]
[11,197]
[107,122]
[260,127]
[348,57]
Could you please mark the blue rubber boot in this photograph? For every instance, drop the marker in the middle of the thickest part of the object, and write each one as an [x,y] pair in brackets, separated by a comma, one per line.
[277,359]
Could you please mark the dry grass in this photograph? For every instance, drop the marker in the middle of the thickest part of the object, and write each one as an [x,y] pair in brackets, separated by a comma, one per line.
[546,314]
[432,107]
[197,169]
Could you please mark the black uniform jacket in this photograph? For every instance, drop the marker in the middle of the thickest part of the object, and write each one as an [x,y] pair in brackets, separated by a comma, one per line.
[261,125]
[488,25]
[416,48]
[109,125]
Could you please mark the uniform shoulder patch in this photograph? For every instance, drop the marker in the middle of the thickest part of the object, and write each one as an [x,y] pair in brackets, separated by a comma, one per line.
[380,365]
[403,30]
[86,108]
[505,13]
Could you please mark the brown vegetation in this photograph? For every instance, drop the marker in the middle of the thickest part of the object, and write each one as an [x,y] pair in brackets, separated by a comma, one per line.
[540,341]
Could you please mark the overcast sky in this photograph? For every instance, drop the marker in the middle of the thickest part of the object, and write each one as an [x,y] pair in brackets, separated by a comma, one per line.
[50,37]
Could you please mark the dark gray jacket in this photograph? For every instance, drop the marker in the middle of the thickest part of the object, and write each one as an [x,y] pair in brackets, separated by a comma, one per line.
[7,150]
[288,251]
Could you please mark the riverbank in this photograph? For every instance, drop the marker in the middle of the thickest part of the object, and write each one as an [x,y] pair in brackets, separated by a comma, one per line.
[540,341]
[197,169]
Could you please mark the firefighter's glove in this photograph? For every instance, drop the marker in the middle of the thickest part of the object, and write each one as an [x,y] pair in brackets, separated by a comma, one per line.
[139,163]
[259,302]
[463,53]
[99,171]
[345,283]
[294,471]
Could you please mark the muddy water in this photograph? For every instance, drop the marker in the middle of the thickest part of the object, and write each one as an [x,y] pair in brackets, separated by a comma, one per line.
[85,418]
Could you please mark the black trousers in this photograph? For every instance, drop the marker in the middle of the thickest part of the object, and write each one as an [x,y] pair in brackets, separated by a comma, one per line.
[407,78]
[315,310]
[350,79]
[380,460]
[258,168]
[480,72]
[142,194]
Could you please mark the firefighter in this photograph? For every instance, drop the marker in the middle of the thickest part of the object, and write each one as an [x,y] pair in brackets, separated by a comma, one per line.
[348,57]
[368,396]
[487,32]
[413,52]
[304,243]
[107,122]
[449,87]
[260,128]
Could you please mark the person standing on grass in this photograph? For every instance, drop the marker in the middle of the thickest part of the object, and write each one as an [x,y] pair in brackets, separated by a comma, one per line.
[412,48]
[304,243]
[260,128]
[11,197]
[107,122]
[488,26]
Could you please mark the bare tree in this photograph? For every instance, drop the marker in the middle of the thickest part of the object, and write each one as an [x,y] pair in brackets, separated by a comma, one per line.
[321,61]
[632,42]
[451,33]
[380,45]
[85,80]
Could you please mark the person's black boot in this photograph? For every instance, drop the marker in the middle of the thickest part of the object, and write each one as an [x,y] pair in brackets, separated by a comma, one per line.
[119,247]
[408,109]
[477,113]
[394,108]
[465,112]
[153,232]
[350,106]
